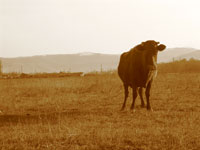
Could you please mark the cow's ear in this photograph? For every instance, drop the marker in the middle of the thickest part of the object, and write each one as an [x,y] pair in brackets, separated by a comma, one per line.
[140,47]
[161,47]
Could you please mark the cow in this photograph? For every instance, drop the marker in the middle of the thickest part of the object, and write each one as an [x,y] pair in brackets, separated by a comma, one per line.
[137,69]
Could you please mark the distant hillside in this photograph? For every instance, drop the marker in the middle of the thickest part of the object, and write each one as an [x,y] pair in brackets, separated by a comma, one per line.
[173,53]
[194,55]
[84,62]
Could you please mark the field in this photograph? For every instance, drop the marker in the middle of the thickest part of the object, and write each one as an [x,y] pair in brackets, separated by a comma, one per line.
[84,113]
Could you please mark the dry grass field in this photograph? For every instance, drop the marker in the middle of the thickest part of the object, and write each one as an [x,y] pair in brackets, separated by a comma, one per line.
[84,113]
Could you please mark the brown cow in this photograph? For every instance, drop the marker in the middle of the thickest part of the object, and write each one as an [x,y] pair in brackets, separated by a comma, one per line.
[137,69]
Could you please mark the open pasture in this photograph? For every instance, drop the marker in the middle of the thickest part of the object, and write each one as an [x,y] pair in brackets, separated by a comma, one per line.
[84,113]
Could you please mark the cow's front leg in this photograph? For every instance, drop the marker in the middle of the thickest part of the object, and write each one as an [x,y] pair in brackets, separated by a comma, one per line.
[141,93]
[134,97]
[147,92]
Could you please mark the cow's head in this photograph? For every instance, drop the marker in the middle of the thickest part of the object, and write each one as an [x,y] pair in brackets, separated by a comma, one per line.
[150,50]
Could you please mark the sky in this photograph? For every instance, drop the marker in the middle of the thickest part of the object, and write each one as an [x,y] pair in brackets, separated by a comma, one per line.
[40,27]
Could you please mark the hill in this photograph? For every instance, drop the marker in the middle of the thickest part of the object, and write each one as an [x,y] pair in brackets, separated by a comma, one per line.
[84,62]
[174,53]
[193,54]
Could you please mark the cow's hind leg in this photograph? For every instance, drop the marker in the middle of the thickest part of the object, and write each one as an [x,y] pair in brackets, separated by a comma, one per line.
[141,93]
[134,97]
[125,96]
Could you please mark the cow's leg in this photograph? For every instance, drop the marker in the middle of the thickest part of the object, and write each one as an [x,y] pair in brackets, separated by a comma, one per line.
[125,96]
[141,91]
[134,97]
[148,95]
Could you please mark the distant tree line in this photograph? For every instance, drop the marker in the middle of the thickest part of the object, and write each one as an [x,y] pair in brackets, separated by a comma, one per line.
[180,66]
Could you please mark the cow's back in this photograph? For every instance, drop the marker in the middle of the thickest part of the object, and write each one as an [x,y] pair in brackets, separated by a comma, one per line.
[123,66]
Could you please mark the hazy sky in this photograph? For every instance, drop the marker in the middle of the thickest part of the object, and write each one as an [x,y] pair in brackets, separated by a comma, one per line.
[36,27]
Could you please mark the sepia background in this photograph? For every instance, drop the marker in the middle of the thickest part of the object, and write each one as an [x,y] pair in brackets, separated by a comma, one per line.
[59,87]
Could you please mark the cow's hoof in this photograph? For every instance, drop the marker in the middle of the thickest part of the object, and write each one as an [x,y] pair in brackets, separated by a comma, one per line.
[122,109]
[132,110]
[150,109]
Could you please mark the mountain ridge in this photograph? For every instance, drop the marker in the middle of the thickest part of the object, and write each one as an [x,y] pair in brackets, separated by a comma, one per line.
[84,61]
